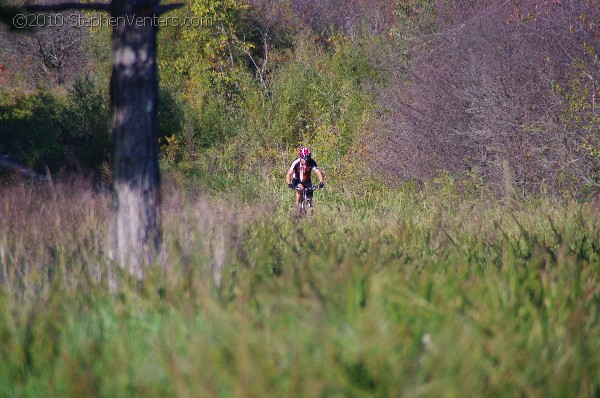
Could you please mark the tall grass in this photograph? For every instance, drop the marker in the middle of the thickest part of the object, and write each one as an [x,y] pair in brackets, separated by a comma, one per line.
[399,293]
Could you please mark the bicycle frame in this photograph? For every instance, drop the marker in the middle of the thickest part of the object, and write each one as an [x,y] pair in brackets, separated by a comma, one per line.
[305,203]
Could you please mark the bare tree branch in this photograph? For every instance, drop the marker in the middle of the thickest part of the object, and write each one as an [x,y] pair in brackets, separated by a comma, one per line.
[160,9]
[67,6]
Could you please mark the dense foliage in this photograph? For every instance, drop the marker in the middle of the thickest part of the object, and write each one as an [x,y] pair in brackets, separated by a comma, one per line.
[377,294]
[48,130]
[505,94]
[455,250]
[506,91]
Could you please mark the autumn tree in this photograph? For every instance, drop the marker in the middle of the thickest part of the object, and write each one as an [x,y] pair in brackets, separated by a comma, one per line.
[135,233]
[503,92]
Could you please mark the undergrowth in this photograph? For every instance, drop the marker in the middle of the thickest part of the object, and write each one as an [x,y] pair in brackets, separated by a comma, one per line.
[379,293]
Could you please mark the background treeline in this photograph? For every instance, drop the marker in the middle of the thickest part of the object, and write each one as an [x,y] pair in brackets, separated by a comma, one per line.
[481,94]
[506,92]
[433,288]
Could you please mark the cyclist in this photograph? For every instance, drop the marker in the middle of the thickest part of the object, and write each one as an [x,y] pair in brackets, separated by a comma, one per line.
[298,176]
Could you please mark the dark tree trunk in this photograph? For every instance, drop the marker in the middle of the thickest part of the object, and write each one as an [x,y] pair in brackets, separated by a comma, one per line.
[135,231]
[136,219]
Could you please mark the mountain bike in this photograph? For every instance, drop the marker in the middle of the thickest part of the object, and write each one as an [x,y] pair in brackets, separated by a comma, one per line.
[306,206]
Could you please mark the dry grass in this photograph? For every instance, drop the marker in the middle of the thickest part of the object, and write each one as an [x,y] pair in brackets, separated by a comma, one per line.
[385,294]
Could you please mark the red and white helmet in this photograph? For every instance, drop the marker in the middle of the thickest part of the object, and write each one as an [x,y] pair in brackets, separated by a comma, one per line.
[304,152]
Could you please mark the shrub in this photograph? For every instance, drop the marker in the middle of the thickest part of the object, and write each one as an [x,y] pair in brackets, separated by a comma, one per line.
[32,129]
[57,130]
[87,125]
[479,94]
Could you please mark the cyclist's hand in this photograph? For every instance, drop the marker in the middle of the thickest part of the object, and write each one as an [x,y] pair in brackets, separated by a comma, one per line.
[321,184]
[291,186]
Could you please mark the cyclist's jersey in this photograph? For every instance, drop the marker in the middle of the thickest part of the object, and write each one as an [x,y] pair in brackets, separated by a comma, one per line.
[301,172]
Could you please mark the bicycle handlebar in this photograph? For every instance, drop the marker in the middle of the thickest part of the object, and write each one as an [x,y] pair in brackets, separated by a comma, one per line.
[313,188]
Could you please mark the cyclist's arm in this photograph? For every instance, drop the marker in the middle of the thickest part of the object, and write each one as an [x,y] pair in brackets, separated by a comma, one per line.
[288,176]
[319,174]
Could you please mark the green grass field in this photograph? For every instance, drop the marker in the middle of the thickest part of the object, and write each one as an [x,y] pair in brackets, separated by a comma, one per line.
[378,294]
